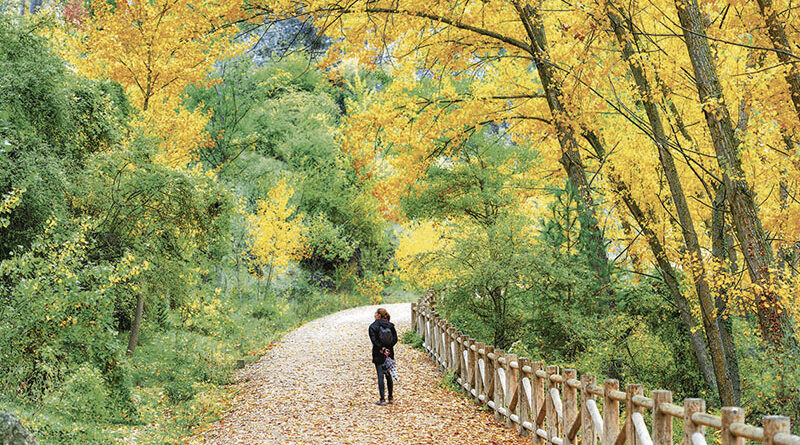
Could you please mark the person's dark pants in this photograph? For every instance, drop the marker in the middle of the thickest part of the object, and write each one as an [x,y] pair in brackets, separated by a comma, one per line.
[381,373]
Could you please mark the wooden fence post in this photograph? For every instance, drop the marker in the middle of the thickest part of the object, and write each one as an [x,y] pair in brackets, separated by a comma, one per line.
[662,422]
[499,393]
[413,316]
[588,435]
[631,390]
[462,362]
[569,397]
[474,373]
[610,412]
[691,406]
[729,415]
[437,336]
[488,380]
[454,350]
[525,395]
[443,348]
[431,335]
[480,380]
[773,425]
[538,398]
[551,417]
[511,399]
[448,350]
[426,335]
[470,364]
[436,340]
[451,360]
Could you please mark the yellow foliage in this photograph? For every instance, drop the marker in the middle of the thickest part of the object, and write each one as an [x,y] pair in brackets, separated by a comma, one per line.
[416,257]
[155,49]
[371,286]
[8,203]
[459,66]
[180,131]
[276,237]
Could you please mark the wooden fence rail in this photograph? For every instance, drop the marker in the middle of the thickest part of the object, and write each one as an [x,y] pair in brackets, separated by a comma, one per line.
[553,406]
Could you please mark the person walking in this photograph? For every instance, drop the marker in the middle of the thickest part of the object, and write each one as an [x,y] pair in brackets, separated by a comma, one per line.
[383,337]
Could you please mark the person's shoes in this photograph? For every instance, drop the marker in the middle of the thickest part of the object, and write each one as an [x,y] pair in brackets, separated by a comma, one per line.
[391,400]
[381,402]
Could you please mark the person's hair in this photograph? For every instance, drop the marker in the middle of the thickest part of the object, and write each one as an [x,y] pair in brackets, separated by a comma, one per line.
[383,313]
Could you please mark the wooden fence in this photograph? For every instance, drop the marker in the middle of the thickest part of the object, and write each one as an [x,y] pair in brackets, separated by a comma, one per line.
[554,406]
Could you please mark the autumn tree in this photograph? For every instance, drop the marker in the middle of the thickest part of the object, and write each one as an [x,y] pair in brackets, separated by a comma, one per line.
[155,50]
[276,233]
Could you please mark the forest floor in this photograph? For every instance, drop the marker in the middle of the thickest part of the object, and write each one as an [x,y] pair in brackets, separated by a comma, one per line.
[318,386]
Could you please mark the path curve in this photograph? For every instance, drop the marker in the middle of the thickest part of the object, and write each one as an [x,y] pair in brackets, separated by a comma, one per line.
[317,386]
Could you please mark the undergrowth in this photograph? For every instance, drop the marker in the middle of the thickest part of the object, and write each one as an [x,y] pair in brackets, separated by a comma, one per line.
[179,375]
[412,338]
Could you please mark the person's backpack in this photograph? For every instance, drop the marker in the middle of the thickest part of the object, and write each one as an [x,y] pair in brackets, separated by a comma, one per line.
[385,336]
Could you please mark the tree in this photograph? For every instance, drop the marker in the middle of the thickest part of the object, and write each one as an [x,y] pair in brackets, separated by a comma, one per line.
[155,50]
[276,236]
[749,231]
[723,377]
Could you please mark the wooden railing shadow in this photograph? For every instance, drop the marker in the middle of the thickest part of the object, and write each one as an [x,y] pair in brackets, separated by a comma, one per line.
[554,406]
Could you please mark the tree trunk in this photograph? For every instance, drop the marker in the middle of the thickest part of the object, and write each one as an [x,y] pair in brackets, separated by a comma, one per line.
[723,321]
[783,49]
[669,275]
[238,255]
[691,242]
[783,250]
[570,154]
[136,325]
[756,251]
[268,284]
[664,265]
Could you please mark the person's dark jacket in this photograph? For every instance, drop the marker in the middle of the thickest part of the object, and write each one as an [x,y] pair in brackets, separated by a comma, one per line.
[377,356]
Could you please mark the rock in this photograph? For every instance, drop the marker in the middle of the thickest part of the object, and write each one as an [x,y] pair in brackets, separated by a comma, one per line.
[13,433]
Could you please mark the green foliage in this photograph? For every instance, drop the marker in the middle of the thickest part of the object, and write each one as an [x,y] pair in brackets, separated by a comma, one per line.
[490,257]
[83,395]
[179,390]
[56,315]
[536,292]
[771,380]
[50,121]
[412,338]
[266,309]
[449,381]
[277,121]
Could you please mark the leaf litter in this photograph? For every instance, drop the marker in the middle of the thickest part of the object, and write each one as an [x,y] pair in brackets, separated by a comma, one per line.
[318,386]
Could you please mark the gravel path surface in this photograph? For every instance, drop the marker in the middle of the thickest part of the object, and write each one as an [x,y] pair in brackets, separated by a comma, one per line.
[318,386]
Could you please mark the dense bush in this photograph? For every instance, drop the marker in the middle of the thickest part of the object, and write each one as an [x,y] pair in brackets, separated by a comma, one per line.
[83,395]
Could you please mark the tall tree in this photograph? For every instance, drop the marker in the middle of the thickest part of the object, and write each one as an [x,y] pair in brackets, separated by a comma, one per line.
[629,42]
[756,250]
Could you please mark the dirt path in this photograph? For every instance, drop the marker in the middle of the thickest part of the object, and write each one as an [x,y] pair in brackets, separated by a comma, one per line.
[317,386]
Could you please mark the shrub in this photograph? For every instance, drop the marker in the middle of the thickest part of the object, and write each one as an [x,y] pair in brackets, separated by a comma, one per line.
[265,310]
[449,381]
[412,338]
[84,395]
